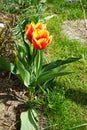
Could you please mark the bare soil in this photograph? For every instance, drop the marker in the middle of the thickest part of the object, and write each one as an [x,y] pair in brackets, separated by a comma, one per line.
[12,102]
[11,90]
[13,96]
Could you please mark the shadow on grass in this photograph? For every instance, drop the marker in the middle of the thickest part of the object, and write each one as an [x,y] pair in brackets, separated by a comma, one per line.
[78,96]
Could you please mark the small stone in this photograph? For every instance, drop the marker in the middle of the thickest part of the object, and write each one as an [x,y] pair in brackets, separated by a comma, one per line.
[2,25]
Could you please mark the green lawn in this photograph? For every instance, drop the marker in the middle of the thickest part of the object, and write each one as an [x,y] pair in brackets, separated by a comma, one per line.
[68,96]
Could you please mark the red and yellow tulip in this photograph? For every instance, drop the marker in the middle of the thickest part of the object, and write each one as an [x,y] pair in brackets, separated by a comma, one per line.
[38,35]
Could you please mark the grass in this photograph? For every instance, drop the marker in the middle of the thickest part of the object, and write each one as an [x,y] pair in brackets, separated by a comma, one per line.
[69,10]
[68,98]
[66,103]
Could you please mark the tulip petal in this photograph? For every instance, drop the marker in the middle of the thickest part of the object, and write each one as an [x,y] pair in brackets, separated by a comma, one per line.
[40,26]
[41,43]
[38,35]
[29,30]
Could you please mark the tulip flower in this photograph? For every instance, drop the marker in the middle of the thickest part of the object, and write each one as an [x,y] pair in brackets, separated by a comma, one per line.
[38,35]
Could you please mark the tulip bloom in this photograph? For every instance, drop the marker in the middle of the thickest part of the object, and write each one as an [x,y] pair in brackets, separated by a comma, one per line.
[38,35]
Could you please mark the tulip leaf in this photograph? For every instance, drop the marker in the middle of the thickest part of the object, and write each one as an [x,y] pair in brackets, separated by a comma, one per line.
[38,63]
[23,73]
[59,71]
[5,64]
[57,63]
[28,120]
[21,50]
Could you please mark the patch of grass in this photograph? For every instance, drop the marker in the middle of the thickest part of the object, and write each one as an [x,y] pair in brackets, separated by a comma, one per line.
[69,10]
[67,105]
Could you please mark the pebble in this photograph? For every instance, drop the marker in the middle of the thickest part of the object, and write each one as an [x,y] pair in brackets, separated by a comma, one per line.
[2,25]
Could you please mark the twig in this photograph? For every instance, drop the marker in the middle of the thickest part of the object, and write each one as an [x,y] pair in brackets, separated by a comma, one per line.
[4,123]
[13,125]
[14,93]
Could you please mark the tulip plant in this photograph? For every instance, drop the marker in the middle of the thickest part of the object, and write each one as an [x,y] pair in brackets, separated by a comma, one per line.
[29,68]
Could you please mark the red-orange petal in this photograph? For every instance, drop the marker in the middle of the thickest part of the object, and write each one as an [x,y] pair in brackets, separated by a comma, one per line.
[40,34]
[29,30]
[40,26]
[41,43]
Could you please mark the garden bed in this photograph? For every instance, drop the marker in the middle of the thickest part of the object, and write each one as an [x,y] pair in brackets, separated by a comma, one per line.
[12,99]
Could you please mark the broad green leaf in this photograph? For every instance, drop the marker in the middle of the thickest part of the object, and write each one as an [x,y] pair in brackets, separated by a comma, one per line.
[57,63]
[28,120]
[22,53]
[21,49]
[5,64]
[38,63]
[59,71]
[24,74]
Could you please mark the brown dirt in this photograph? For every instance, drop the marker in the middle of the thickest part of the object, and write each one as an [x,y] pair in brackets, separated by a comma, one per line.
[6,43]
[11,91]
[12,102]
[13,96]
